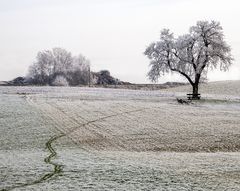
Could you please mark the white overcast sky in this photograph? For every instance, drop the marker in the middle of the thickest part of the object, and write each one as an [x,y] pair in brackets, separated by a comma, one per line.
[113,34]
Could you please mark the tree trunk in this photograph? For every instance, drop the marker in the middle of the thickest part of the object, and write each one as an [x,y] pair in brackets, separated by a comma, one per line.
[195,86]
[195,91]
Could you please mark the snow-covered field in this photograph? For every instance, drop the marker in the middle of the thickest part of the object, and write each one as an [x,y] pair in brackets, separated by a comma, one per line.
[219,89]
[55,138]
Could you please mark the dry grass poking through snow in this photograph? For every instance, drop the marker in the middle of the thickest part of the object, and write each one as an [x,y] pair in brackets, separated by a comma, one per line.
[113,139]
[126,120]
[220,89]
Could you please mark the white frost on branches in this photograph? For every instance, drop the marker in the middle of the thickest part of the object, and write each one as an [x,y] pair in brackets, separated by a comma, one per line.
[191,54]
[50,64]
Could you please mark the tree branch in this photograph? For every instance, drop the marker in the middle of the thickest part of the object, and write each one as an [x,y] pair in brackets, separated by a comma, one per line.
[176,70]
[185,75]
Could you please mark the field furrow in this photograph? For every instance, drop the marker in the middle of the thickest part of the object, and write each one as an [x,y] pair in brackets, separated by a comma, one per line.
[102,139]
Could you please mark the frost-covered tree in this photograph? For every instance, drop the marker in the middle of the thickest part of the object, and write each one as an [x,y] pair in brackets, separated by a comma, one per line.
[190,55]
[49,64]
[62,61]
[41,70]
[58,62]
[79,73]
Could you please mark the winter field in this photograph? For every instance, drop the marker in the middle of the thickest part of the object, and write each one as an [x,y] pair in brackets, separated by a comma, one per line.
[65,138]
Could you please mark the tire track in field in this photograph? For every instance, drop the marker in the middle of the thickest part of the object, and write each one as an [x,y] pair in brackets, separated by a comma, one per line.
[93,131]
[53,153]
[48,160]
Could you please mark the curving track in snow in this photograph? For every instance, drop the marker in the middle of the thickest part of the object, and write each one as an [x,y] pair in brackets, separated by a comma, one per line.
[136,134]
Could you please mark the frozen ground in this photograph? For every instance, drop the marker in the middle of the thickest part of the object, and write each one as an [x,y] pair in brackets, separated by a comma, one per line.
[105,139]
[220,89]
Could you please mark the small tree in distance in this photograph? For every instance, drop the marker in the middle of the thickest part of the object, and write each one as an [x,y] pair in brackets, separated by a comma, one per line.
[191,54]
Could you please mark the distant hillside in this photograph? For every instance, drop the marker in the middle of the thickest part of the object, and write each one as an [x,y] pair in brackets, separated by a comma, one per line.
[145,86]
[219,88]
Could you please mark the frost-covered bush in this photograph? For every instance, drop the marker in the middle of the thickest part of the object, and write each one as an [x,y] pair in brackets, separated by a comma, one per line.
[60,81]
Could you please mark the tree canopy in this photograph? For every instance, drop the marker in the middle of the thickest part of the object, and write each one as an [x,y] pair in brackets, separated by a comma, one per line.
[50,64]
[190,55]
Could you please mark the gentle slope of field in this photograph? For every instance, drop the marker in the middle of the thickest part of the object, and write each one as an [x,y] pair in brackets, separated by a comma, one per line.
[104,139]
[219,89]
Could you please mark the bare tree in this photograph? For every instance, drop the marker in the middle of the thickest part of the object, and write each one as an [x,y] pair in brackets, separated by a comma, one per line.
[190,55]
[41,70]
[79,71]
[58,62]
[62,61]
[49,64]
